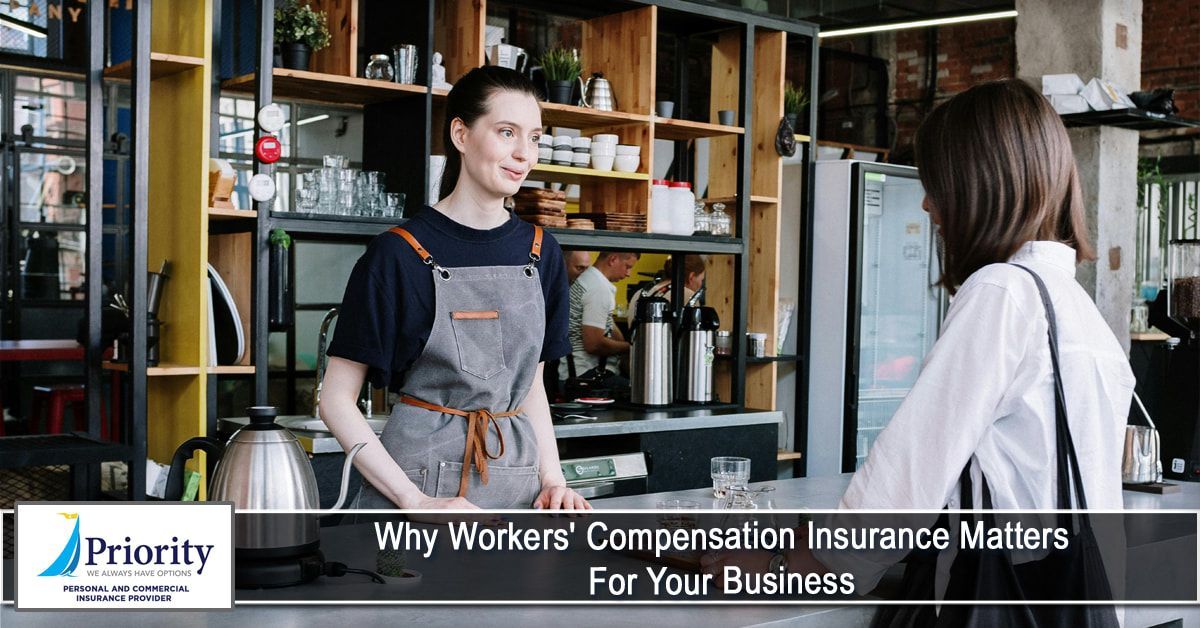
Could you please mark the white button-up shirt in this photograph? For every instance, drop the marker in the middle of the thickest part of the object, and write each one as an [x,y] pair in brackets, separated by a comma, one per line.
[985,394]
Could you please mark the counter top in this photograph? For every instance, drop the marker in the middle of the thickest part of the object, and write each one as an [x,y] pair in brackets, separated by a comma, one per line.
[814,493]
[608,422]
[824,493]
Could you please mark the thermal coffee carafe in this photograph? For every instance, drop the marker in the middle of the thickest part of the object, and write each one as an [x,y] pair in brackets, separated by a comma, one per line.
[697,339]
[650,356]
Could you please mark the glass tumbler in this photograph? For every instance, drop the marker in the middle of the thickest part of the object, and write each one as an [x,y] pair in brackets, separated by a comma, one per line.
[729,471]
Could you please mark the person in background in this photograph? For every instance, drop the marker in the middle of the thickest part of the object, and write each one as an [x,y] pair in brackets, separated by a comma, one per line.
[594,337]
[577,262]
[693,279]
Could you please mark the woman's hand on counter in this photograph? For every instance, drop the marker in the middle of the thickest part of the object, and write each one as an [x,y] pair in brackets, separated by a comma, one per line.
[559,497]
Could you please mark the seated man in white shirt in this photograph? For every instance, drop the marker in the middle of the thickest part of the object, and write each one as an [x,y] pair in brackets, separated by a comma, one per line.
[594,337]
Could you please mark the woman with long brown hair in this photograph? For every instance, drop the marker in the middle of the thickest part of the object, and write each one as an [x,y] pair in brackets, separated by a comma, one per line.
[1002,187]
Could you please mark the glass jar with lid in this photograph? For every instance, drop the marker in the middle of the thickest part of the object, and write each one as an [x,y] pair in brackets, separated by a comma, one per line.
[1183,282]
[379,68]
[719,220]
[702,220]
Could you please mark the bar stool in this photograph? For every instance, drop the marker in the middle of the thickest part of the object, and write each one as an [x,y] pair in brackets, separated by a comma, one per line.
[49,405]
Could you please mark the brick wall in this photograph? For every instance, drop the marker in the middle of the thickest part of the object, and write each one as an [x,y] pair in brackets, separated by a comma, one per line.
[967,54]
[975,52]
[1171,58]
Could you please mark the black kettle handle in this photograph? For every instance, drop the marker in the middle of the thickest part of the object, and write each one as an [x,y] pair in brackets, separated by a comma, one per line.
[174,489]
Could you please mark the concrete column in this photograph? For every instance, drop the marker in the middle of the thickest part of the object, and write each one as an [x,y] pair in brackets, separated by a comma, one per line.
[1095,38]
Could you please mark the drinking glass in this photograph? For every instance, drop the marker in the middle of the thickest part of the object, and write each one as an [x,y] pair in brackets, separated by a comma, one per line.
[729,471]
[393,204]
[335,161]
[346,197]
[327,190]
[680,514]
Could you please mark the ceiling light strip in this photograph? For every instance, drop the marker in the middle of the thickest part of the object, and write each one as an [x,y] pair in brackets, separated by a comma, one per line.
[940,21]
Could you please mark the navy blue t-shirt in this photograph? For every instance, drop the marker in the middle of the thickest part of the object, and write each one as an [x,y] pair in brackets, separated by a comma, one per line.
[387,311]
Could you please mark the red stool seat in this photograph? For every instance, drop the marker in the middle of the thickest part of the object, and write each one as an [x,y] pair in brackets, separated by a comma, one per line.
[49,406]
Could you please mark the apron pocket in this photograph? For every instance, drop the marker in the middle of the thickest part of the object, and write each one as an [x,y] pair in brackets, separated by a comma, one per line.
[507,487]
[418,477]
[480,342]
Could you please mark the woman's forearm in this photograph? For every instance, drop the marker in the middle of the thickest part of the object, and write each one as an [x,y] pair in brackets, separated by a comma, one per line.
[537,409]
[339,410]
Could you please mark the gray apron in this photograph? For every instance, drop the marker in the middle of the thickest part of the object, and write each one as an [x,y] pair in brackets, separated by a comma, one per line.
[474,372]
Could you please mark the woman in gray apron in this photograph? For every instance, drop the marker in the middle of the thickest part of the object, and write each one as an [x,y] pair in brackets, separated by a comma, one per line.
[451,312]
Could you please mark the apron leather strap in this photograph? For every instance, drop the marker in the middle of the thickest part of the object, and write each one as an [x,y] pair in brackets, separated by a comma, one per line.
[408,237]
[476,452]
[535,251]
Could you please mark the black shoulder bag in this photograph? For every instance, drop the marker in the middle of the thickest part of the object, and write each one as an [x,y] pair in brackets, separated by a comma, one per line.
[1075,573]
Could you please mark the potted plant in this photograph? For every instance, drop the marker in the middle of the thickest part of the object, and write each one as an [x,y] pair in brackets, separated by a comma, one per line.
[562,68]
[298,32]
[794,101]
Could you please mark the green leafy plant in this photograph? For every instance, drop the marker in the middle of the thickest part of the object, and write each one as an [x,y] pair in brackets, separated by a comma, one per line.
[561,64]
[298,23]
[279,237]
[794,99]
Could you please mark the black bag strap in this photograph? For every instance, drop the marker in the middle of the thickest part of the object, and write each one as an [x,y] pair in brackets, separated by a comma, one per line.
[1067,462]
[1065,446]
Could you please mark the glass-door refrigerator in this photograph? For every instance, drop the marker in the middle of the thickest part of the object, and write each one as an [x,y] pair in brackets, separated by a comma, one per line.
[875,309]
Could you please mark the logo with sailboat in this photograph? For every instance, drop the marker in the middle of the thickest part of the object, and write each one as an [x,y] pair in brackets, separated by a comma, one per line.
[68,558]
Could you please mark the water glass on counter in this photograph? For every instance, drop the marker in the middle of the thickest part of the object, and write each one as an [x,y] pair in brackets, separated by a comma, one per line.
[679,514]
[729,471]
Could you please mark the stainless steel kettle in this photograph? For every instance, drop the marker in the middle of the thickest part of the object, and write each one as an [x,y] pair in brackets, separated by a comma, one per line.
[697,342]
[263,467]
[650,355]
[597,93]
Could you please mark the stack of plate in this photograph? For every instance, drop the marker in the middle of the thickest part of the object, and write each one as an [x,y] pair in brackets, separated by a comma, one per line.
[581,223]
[541,206]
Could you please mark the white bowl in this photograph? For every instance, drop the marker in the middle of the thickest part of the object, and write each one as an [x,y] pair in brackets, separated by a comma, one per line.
[545,152]
[605,138]
[603,162]
[582,143]
[627,163]
[546,140]
[628,149]
[581,159]
[564,157]
[603,149]
[562,142]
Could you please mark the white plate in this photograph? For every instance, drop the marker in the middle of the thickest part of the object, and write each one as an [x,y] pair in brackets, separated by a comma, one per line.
[595,401]
[237,320]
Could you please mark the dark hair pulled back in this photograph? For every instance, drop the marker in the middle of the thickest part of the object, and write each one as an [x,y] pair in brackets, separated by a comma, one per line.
[468,101]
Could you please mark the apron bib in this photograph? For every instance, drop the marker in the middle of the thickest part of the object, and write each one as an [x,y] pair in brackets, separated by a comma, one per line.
[459,429]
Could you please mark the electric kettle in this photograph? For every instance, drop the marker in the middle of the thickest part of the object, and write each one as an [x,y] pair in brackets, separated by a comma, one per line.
[263,467]
[597,93]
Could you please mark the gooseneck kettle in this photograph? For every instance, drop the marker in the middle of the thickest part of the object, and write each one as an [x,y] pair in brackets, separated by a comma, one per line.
[264,467]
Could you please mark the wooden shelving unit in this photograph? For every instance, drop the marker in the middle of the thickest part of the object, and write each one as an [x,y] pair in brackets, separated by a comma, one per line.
[327,88]
[215,213]
[554,114]
[156,371]
[572,174]
[682,130]
[161,64]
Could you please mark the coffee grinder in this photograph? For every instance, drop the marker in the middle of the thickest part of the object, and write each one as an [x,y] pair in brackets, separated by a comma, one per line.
[1176,362]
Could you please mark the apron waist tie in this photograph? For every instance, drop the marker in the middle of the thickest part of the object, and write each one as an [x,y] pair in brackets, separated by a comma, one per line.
[476,452]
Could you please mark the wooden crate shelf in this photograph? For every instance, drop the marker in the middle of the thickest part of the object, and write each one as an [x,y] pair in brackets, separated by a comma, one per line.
[327,88]
[571,174]
[161,370]
[161,64]
[683,130]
